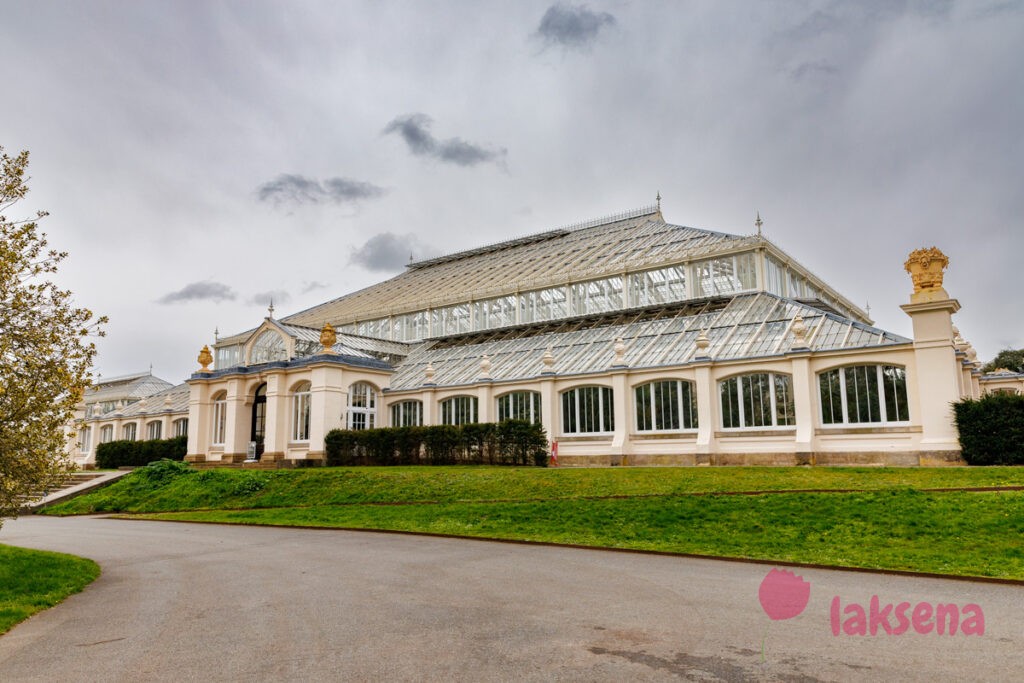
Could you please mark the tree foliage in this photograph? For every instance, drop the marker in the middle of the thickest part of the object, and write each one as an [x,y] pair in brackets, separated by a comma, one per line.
[1012,360]
[45,350]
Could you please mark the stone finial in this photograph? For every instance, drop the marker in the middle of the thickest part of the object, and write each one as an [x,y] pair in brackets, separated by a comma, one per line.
[972,355]
[620,353]
[167,400]
[205,358]
[428,374]
[703,344]
[485,367]
[799,330]
[926,268]
[328,338]
[548,359]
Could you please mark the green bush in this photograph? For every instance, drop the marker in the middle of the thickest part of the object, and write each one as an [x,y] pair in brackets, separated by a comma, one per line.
[512,442]
[991,429]
[138,453]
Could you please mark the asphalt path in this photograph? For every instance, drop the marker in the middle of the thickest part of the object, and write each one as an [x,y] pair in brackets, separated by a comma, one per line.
[190,602]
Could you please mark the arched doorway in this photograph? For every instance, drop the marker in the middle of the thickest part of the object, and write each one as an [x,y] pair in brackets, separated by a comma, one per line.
[259,418]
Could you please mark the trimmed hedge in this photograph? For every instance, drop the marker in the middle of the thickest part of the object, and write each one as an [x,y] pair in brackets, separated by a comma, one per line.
[138,453]
[512,442]
[991,429]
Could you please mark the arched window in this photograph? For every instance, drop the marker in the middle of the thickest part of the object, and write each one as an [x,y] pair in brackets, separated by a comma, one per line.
[128,432]
[85,439]
[667,405]
[407,414]
[220,418]
[268,347]
[301,398]
[588,410]
[459,410]
[362,406]
[180,427]
[864,394]
[106,433]
[519,405]
[153,430]
[761,399]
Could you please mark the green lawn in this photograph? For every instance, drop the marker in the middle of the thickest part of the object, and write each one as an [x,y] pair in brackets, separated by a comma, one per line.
[886,518]
[236,489]
[33,580]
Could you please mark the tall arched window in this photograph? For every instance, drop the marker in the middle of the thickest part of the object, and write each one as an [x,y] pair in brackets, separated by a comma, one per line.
[407,414]
[864,394]
[85,439]
[268,347]
[154,430]
[362,406]
[588,410]
[129,432]
[220,418]
[519,405]
[106,433]
[180,427]
[301,398]
[667,405]
[760,399]
[459,410]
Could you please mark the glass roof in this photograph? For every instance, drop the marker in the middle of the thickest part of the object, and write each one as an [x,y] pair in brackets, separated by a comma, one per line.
[748,326]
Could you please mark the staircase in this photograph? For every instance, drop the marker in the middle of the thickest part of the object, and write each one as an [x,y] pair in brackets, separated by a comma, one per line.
[73,484]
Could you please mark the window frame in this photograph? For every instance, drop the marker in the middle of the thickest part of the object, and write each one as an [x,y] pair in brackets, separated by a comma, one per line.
[881,402]
[154,426]
[512,402]
[773,380]
[359,417]
[131,428]
[402,411]
[301,413]
[455,409]
[581,399]
[220,421]
[683,409]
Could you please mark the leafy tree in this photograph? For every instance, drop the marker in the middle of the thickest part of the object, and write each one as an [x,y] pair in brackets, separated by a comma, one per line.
[1007,358]
[45,350]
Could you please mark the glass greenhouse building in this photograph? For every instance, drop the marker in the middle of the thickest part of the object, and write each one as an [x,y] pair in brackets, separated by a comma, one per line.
[630,339]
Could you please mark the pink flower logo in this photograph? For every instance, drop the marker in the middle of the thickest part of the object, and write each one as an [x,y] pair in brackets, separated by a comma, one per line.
[783,594]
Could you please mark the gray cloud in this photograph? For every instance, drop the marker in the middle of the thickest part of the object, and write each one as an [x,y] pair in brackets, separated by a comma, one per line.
[389,252]
[817,69]
[572,26]
[415,130]
[278,296]
[208,290]
[289,188]
[308,287]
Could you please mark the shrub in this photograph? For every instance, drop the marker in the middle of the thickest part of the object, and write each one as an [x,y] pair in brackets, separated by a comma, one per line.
[512,442]
[161,472]
[138,453]
[991,429]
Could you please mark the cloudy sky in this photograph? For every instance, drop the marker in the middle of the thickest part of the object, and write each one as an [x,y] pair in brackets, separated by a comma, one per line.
[199,158]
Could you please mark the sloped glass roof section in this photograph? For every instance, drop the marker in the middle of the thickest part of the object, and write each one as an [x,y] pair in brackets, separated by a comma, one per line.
[748,325]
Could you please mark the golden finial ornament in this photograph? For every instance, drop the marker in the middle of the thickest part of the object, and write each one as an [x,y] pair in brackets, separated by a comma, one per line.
[205,358]
[926,268]
[328,338]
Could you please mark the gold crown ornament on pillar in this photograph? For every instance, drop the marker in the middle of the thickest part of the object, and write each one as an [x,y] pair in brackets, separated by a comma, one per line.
[926,268]
[328,338]
[205,358]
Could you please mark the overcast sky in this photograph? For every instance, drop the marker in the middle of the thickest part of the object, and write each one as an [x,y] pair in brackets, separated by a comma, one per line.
[199,158]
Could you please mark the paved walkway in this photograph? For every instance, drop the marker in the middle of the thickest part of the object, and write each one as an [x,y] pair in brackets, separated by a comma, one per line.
[185,602]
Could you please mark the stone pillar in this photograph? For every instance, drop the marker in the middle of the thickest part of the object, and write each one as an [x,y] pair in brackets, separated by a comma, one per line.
[277,429]
[938,372]
[549,406]
[239,421]
[707,403]
[620,399]
[328,402]
[803,405]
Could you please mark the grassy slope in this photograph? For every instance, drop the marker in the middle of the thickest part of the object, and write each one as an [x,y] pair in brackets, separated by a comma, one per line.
[33,580]
[893,525]
[227,489]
